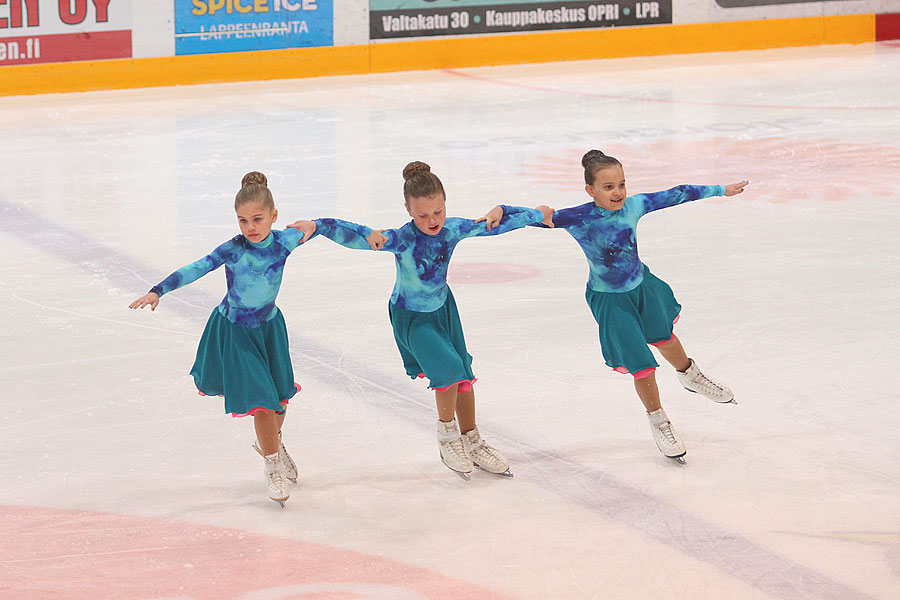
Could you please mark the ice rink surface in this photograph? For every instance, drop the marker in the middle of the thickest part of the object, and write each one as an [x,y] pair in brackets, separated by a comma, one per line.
[118,481]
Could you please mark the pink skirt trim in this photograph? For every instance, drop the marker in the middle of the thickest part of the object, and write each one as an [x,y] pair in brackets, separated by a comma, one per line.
[465,385]
[258,408]
[639,375]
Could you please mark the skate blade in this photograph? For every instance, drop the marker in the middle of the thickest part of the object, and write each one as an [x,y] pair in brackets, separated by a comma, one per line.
[463,476]
[281,502]
[678,459]
[732,401]
[505,473]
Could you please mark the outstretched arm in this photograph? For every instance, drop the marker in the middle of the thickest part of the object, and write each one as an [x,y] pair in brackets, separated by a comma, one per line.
[687,193]
[350,235]
[513,217]
[493,217]
[184,276]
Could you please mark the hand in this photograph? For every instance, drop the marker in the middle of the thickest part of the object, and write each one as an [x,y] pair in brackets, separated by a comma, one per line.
[307,227]
[149,299]
[377,239]
[733,189]
[548,215]
[492,218]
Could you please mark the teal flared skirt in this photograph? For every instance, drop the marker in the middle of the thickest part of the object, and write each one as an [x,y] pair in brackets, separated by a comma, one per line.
[432,344]
[630,321]
[249,366]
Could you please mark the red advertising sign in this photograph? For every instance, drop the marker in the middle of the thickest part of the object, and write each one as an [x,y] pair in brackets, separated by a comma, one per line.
[44,31]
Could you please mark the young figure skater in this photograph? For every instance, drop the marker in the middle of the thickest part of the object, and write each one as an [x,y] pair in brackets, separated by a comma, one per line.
[633,307]
[423,313]
[243,354]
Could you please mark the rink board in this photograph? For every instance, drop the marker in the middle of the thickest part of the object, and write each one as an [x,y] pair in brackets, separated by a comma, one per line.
[446,53]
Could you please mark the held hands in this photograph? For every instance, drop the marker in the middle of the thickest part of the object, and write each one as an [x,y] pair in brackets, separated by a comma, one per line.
[307,227]
[149,299]
[492,218]
[733,189]
[376,239]
[548,215]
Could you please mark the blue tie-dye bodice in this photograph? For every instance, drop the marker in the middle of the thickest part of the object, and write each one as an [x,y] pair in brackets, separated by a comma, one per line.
[253,273]
[608,237]
[422,260]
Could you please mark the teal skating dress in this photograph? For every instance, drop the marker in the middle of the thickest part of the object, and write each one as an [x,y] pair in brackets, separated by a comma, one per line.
[423,313]
[632,307]
[244,353]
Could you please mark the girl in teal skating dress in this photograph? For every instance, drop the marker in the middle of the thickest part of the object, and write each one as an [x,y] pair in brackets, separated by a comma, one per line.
[244,354]
[423,313]
[634,308]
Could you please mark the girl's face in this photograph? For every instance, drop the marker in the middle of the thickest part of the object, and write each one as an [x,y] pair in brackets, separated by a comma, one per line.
[428,213]
[608,190]
[255,220]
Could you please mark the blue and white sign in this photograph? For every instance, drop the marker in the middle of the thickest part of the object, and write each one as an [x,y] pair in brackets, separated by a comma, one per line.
[208,26]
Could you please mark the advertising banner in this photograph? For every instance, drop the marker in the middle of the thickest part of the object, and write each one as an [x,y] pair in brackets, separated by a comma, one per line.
[418,18]
[45,31]
[209,26]
[742,3]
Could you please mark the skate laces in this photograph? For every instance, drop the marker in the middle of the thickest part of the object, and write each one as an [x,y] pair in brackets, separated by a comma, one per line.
[708,385]
[457,447]
[488,455]
[665,428]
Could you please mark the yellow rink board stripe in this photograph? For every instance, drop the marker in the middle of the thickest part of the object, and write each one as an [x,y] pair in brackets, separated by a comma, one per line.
[436,54]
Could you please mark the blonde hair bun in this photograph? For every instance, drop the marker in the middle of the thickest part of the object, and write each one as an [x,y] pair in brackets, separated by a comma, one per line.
[254,177]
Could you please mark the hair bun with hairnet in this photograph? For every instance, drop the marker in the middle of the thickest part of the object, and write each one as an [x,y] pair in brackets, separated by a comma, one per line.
[414,167]
[254,177]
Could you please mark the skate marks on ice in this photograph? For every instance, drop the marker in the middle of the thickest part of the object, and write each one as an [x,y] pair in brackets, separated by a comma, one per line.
[710,544]
[51,553]
[592,488]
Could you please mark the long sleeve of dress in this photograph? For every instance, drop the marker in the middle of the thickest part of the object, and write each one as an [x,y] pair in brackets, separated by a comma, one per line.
[677,195]
[194,271]
[345,233]
[514,217]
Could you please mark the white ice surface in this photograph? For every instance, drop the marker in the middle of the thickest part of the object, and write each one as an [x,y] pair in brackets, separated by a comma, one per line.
[791,295]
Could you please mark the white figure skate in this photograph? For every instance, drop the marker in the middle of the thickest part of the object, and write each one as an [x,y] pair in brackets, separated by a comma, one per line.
[693,380]
[665,437]
[483,456]
[290,467]
[277,482]
[453,452]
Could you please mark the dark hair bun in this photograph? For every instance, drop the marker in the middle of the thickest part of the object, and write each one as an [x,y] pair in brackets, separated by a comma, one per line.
[414,167]
[591,155]
[254,177]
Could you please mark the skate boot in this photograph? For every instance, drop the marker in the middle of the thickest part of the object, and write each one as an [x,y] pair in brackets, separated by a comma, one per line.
[693,380]
[453,452]
[484,456]
[278,486]
[665,437]
[290,467]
